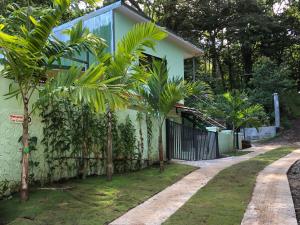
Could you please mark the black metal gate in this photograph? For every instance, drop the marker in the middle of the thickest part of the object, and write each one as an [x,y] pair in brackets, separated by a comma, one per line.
[188,143]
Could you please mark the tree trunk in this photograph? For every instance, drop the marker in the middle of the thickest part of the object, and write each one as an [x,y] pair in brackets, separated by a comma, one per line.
[220,70]
[247,61]
[24,189]
[148,140]
[161,150]
[142,142]
[84,160]
[213,53]
[109,166]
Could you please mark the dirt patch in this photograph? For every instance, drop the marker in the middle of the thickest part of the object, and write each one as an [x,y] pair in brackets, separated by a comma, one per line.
[289,137]
[294,180]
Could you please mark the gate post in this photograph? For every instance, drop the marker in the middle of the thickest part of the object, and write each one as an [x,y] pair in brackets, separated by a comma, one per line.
[168,153]
[217,145]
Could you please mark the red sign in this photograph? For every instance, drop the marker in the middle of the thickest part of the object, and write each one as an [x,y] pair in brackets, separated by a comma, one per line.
[17,118]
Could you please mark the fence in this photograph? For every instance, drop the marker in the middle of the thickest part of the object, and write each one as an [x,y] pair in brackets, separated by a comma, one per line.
[192,144]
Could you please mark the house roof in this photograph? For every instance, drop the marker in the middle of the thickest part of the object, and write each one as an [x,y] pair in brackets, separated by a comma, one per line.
[188,48]
[200,115]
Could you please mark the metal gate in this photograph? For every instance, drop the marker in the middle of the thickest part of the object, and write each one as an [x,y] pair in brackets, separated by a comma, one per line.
[192,144]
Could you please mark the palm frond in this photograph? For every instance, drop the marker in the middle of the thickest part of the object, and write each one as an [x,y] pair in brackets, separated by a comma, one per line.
[161,93]
[38,36]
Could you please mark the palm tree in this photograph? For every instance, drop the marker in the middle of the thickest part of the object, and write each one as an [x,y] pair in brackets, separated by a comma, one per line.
[237,111]
[161,93]
[108,85]
[29,53]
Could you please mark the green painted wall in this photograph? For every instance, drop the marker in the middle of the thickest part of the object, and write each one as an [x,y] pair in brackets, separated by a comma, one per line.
[174,54]
[175,59]
[10,132]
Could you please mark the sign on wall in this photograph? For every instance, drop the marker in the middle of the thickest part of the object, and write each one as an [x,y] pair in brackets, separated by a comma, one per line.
[17,118]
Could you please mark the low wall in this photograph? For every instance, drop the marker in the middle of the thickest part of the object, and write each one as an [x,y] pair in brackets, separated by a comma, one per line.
[225,141]
[253,134]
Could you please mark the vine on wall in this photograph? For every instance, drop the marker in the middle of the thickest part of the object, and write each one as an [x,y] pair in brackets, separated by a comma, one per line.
[68,129]
[75,141]
[149,135]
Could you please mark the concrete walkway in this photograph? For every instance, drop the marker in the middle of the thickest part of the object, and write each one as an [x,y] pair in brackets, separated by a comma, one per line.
[272,202]
[161,206]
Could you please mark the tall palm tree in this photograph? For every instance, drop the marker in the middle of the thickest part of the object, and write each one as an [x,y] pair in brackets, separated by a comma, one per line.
[28,54]
[108,85]
[161,93]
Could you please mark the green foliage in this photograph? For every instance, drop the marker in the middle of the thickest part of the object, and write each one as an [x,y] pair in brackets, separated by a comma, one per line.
[33,164]
[110,81]
[269,78]
[234,35]
[149,124]
[70,129]
[161,92]
[7,187]
[126,153]
[237,111]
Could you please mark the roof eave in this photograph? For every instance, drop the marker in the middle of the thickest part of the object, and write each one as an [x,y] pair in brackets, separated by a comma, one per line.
[190,50]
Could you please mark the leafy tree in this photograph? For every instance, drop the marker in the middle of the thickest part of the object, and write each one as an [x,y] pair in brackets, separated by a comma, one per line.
[27,56]
[160,94]
[269,78]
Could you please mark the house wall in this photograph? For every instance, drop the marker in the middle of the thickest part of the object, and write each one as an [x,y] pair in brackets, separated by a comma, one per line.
[100,25]
[164,48]
[175,60]
[10,132]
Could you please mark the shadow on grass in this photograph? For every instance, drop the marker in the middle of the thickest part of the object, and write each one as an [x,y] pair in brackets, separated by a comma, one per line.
[92,201]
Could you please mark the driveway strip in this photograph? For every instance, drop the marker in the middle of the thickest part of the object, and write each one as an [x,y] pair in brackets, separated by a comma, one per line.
[272,202]
[161,206]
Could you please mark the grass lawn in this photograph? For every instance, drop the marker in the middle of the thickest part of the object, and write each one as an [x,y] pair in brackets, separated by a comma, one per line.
[224,199]
[92,201]
[236,153]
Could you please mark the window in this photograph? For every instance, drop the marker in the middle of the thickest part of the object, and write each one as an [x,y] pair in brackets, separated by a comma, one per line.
[148,59]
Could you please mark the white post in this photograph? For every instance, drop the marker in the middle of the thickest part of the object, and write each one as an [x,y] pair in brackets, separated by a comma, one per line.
[276,109]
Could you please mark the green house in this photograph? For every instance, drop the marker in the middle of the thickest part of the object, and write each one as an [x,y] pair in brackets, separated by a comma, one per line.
[111,23]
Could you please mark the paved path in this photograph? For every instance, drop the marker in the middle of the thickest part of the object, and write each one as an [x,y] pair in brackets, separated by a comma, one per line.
[161,206]
[272,202]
